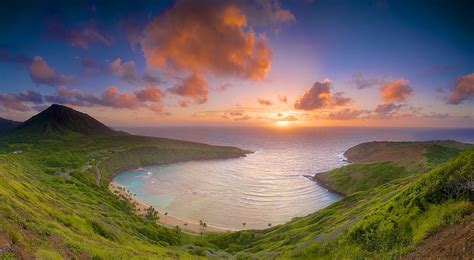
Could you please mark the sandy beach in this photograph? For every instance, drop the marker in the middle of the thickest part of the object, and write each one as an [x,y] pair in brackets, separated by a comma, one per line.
[165,220]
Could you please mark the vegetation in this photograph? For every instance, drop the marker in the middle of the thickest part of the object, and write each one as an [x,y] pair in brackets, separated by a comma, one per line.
[55,203]
[385,162]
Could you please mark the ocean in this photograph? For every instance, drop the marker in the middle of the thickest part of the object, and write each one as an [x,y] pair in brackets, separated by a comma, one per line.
[267,186]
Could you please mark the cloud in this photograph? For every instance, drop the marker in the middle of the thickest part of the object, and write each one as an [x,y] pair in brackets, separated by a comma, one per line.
[242,118]
[283,99]
[149,97]
[362,83]
[396,90]
[11,102]
[463,90]
[288,118]
[197,38]
[149,93]
[124,70]
[320,96]
[151,79]
[268,13]
[346,114]
[387,110]
[183,103]
[30,96]
[42,73]
[264,102]
[80,37]
[193,86]
[224,87]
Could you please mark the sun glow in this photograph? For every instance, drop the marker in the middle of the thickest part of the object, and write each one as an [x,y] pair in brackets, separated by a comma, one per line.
[282,123]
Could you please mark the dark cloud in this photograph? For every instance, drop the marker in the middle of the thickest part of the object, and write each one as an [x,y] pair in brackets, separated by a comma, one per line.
[387,110]
[42,73]
[124,70]
[320,96]
[151,79]
[80,36]
[30,96]
[462,90]
[346,114]
[264,102]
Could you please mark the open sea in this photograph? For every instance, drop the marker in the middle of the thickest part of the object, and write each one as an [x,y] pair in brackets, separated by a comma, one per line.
[267,186]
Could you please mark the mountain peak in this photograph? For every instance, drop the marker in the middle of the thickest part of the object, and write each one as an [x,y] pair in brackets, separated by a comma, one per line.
[59,119]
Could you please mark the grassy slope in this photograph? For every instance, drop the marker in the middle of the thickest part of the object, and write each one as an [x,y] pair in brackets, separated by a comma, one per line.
[376,163]
[386,221]
[50,204]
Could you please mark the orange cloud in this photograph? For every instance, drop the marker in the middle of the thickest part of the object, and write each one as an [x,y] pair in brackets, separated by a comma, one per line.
[463,90]
[264,102]
[150,93]
[211,37]
[396,90]
[194,87]
[320,96]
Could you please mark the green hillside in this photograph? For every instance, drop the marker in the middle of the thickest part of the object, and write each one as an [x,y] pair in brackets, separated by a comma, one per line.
[376,163]
[54,203]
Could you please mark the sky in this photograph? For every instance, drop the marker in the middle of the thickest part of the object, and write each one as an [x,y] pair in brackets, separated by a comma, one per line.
[241,63]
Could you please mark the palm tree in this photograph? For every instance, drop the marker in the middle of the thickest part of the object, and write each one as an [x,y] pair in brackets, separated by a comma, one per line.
[166,214]
[204,225]
[243,224]
[269,224]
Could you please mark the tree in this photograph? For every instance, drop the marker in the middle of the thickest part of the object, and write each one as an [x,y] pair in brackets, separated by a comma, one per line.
[151,214]
[166,214]
[244,224]
[269,224]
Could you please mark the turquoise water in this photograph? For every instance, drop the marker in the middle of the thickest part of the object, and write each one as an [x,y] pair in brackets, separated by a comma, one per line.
[268,186]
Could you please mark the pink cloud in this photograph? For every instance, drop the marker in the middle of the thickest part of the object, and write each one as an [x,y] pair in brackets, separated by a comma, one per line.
[42,73]
[463,90]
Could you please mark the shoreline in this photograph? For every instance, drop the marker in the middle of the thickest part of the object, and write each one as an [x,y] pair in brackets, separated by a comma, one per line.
[130,168]
[166,220]
[324,185]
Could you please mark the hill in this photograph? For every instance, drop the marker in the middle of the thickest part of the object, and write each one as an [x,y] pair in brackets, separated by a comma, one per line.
[376,163]
[58,120]
[7,125]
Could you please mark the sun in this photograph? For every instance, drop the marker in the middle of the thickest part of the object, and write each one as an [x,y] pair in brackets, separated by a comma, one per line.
[282,123]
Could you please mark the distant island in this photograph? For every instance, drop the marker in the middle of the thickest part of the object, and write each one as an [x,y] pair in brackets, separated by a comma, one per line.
[402,199]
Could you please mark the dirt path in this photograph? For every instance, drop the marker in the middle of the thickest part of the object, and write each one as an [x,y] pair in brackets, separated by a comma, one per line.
[452,242]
